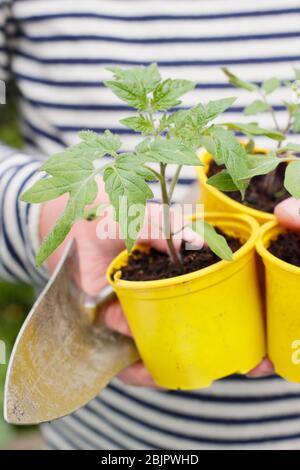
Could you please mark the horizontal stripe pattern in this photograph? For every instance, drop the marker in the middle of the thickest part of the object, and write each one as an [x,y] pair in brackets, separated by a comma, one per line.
[167,40]
[17,171]
[105,61]
[152,424]
[57,52]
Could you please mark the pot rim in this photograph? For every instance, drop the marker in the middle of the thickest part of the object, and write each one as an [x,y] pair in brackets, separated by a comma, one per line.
[266,234]
[238,255]
[206,157]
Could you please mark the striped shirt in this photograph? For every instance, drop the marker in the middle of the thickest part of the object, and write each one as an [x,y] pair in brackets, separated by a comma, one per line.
[56,52]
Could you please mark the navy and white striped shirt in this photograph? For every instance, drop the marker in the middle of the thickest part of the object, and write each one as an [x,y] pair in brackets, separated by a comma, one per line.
[56,52]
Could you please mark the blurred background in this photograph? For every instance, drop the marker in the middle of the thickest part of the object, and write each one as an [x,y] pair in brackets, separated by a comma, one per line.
[15,302]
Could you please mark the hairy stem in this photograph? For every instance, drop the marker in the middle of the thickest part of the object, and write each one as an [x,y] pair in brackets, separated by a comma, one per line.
[166,215]
[165,200]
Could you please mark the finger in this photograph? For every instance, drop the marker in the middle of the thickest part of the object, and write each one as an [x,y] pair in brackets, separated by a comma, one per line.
[264,369]
[287,213]
[192,238]
[114,318]
[137,375]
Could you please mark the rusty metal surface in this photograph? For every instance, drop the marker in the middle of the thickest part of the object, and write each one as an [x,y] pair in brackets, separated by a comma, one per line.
[61,359]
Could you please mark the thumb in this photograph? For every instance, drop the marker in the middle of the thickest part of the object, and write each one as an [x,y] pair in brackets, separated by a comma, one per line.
[288,213]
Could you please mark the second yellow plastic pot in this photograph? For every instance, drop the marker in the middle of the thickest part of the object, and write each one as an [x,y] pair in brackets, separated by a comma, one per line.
[193,329]
[215,200]
[283,307]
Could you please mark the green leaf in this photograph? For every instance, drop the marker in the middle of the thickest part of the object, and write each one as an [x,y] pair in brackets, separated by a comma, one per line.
[200,115]
[261,165]
[216,107]
[216,242]
[133,85]
[128,193]
[131,162]
[237,82]
[222,181]
[289,147]
[292,179]
[189,123]
[68,175]
[271,85]
[139,124]
[187,127]
[166,95]
[231,153]
[107,141]
[208,143]
[127,93]
[81,195]
[165,122]
[296,121]
[162,150]
[70,172]
[254,129]
[75,158]
[256,107]
[45,190]
[141,78]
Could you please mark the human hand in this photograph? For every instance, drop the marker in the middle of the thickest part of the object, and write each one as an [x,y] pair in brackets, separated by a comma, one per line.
[95,254]
[287,213]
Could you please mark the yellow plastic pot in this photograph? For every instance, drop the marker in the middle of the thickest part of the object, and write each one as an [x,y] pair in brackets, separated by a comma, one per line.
[193,329]
[283,307]
[215,200]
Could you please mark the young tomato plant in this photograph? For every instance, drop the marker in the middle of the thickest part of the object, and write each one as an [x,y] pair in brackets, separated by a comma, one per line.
[283,152]
[170,136]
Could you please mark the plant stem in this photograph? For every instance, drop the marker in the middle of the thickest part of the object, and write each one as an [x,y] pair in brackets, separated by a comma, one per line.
[165,199]
[158,176]
[272,112]
[166,215]
[174,181]
[271,177]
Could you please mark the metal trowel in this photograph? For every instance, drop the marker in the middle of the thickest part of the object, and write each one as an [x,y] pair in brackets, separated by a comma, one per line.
[64,356]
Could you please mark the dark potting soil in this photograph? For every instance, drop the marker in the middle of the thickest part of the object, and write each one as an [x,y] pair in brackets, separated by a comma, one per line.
[256,195]
[158,265]
[287,248]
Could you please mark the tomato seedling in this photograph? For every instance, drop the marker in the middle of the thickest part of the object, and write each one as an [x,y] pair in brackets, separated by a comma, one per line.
[169,137]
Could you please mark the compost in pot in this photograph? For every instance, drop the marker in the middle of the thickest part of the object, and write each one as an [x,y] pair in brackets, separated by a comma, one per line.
[155,265]
[287,247]
[256,195]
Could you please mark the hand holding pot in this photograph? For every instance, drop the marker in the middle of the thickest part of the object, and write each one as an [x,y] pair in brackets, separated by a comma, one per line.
[95,252]
[287,214]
